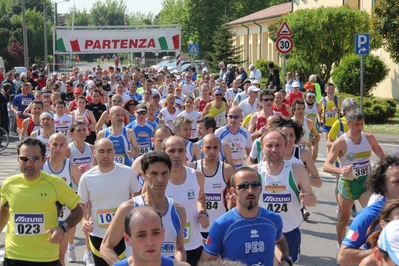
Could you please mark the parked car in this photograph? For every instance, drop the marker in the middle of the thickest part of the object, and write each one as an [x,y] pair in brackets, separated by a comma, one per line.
[161,64]
[19,69]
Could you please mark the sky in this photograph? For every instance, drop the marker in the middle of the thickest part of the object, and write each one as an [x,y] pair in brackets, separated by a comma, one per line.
[146,6]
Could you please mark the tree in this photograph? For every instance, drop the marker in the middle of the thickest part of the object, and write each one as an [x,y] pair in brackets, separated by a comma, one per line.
[139,18]
[384,22]
[223,49]
[322,36]
[108,13]
[13,55]
[81,17]
[346,75]
[175,12]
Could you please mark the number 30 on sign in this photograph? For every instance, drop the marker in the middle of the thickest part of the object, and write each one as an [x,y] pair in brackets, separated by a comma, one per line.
[284,44]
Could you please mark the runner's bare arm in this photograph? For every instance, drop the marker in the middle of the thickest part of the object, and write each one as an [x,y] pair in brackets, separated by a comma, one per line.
[4,215]
[101,122]
[332,155]
[375,146]
[352,256]
[180,252]
[227,154]
[315,180]
[307,197]
[115,232]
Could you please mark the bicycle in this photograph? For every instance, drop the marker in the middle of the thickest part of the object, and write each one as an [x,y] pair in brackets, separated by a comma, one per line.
[4,139]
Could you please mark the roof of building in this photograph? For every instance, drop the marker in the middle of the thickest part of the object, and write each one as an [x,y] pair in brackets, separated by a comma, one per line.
[267,13]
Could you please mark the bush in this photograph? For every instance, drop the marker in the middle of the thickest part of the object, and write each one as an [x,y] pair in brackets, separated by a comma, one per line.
[346,75]
[261,64]
[376,110]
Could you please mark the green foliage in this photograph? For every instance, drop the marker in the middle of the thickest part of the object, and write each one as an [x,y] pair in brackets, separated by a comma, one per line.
[139,18]
[376,110]
[322,36]
[79,17]
[108,13]
[385,22]
[223,49]
[261,64]
[346,76]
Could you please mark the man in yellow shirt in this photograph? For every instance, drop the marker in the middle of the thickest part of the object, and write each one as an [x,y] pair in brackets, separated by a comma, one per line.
[30,206]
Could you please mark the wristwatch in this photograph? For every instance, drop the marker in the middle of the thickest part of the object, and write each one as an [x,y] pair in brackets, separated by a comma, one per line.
[64,227]
[204,213]
[287,259]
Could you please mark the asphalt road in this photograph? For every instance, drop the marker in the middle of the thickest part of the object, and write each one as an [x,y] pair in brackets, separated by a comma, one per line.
[318,233]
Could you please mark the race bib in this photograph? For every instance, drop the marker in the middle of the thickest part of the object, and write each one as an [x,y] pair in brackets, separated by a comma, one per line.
[187,233]
[119,158]
[144,147]
[301,146]
[169,123]
[65,212]
[277,203]
[219,121]
[330,114]
[26,101]
[104,217]
[28,224]
[193,133]
[361,168]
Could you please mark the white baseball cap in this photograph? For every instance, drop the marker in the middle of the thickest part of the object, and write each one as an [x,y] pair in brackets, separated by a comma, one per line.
[389,240]
[295,84]
[253,88]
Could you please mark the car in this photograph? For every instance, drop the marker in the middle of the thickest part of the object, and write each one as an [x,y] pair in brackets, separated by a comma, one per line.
[161,64]
[185,67]
[19,69]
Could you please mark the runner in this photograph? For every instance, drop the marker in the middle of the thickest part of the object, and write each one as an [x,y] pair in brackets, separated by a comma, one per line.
[103,189]
[21,102]
[217,178]
[47,129]
[58,165]
[186,186]
[116,100]
[247,233]
[169,112]
[62,120]
[32,123]
[156,167]
[248,106]
[142,129]
[31,212]
[201,102]
[146,222]
[330,108]
[207,125]
[354,152]
[287,187]
[310,138]
[236,136]
[86,116]
[182,127]
[193,114]
[81,154]
[123,138]
[97,108]
[217,108]
[257,124]
[279,107]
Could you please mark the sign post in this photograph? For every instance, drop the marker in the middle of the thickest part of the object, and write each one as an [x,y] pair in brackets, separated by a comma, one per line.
[284,44]
[362,47]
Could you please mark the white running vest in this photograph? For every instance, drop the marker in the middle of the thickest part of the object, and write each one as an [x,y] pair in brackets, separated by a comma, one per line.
[357,155]
[280,194]
[171,223]
[214,188]
[187,194]
[311,112]
[64,174]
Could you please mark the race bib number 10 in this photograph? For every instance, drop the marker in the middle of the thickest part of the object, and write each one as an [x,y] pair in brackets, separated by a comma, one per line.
[28,224]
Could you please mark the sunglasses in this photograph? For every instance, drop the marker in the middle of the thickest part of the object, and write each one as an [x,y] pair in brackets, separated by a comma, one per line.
[131,104]
[312,97]
[218,94]
[142,113]
[32,158]
[234,116]
[268,99]
[246,185]
[188,77]
[116,101]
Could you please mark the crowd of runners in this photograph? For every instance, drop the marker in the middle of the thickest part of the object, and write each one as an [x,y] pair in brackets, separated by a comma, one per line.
[186,169]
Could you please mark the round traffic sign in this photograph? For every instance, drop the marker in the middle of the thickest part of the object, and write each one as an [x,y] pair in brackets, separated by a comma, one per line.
[284,44]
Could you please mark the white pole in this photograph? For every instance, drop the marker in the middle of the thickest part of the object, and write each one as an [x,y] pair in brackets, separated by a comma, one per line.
[361,83]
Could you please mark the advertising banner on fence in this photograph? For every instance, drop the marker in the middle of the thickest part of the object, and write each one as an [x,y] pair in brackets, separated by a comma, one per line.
[113,41]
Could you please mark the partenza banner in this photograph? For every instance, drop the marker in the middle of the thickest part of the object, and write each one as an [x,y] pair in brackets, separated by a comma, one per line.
[118,40]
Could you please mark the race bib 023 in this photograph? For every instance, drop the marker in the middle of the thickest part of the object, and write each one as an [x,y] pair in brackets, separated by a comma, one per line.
[28,224]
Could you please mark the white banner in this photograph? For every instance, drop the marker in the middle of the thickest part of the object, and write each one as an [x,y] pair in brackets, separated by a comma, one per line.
[114,41]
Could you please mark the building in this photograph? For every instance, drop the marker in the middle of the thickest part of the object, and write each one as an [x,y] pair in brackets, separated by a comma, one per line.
[252,35]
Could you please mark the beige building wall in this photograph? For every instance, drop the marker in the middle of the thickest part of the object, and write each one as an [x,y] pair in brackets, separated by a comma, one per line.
[257,44]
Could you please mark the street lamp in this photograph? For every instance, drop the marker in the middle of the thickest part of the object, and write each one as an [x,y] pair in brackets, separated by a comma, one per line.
[25,35]
[55,25]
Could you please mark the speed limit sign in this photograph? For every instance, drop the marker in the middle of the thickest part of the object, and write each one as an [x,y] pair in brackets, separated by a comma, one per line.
[284,44]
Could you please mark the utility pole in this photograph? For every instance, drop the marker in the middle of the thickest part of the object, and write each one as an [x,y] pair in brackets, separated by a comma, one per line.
[25,35]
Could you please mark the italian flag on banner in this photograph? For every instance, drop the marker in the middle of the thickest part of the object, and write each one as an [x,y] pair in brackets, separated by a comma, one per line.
[164,44]
[61,45]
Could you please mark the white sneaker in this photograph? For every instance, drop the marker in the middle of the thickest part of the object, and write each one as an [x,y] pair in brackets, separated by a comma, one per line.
[71,255]
[88,258]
